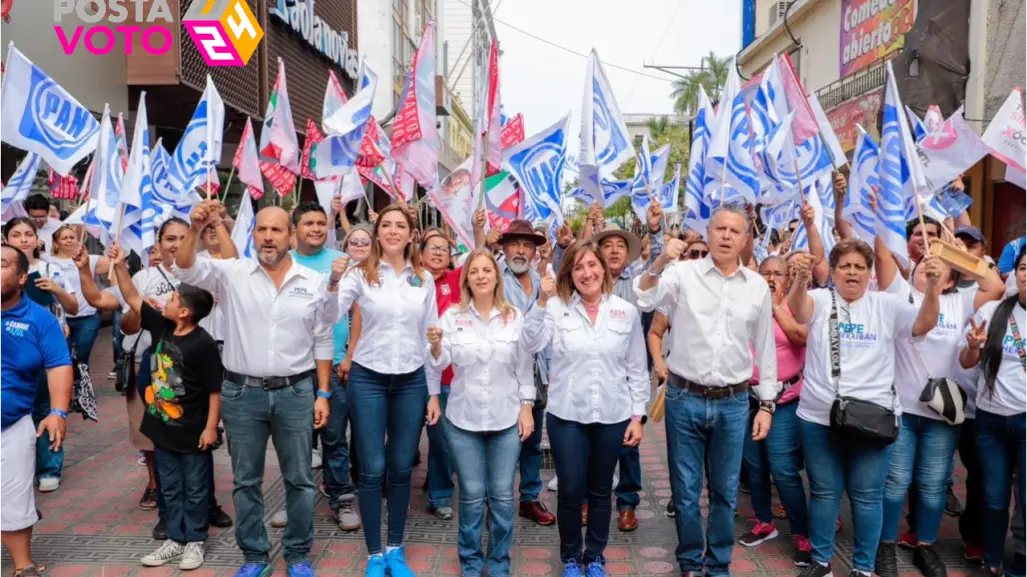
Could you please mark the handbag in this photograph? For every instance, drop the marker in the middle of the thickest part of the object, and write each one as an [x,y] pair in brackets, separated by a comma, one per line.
[943,396]
[854,418]
[125,370]
[541,389]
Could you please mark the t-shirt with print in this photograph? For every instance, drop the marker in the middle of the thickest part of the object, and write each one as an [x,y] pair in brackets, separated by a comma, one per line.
[31,341]
[47,299]
[322,263]
[70,271]
[867,329]
[938,350]
[186,369]
[155,283]
[1010,394]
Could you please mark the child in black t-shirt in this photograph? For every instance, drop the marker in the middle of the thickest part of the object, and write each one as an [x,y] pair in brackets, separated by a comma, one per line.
[183,406]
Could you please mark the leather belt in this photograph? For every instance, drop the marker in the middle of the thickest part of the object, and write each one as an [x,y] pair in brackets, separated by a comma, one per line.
[785,385]
[267,383]
[711,393]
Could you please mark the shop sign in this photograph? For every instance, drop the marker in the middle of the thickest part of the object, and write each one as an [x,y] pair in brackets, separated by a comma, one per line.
[872,29]
[332,43]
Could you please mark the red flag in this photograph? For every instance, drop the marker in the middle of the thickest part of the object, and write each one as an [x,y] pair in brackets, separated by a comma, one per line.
[414,135]
[282,179]
[62,187]
[371,154]
[513,132]
[488,143]
[314,135]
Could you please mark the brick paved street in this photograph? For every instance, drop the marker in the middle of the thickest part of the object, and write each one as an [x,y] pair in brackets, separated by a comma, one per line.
[93,525]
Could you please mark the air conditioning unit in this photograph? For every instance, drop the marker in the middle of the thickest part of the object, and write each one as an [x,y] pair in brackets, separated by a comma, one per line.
[777,12]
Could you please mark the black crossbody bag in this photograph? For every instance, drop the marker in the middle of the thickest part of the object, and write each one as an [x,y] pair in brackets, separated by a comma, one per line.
[864,421]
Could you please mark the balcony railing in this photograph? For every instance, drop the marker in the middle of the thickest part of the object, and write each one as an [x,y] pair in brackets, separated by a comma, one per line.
[853,85]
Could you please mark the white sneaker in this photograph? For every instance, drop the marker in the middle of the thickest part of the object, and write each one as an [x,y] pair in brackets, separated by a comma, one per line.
[315,459]
[279,519]
[49,484]
[111,376]
[168,551]
[192,558]
[553,485]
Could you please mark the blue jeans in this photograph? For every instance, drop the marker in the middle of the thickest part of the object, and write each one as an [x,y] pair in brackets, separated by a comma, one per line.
[837,465]
[778,455]
[49,464]
[252,415]
[530,460]
[922,454]
[703,433]
[630,481]
[486,463]
[185,486]
[83,335]
[1001,444]
[162,506]
[585,457]
[440,460]
[335,449]
[393,407]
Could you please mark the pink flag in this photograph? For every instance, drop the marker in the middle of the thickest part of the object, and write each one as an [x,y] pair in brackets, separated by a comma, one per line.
[278,142]
[414,136]
[488,141]
[119,139]
[804,124]
[314,136]
[247,163]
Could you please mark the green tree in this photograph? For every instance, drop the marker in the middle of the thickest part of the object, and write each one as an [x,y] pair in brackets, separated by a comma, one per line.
[712,78]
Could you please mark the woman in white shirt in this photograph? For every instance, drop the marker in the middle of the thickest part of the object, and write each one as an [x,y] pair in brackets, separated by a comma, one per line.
[489,409]
[598,390]
[85,324]
[995,343]
[389,385]
[926,444]
[866,325]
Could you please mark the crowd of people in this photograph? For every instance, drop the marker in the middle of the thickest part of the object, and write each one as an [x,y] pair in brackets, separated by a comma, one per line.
[850,371]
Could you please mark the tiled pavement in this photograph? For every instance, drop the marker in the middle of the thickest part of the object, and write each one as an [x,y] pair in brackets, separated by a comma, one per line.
[93,525]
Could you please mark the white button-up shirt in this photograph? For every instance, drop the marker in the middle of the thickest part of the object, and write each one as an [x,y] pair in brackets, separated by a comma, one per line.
[598,372]
[269,332]
[395,316]
[492,370]
[716,318]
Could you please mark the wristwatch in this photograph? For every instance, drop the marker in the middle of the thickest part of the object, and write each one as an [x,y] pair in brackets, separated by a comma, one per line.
[768,406]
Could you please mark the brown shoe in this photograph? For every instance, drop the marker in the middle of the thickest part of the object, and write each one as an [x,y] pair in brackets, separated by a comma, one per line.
[584,513]
[537,512]
[628,521]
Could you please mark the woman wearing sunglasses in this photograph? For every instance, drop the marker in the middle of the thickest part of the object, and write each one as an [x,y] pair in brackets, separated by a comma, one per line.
[696,250]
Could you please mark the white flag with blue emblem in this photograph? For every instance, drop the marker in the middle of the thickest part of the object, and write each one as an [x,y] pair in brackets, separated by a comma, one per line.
[696,211]
[821,219]
[605,142]
[669,191]
[199,151]
[20,183]
[336,155]
[898,169]
[108,174]
[863,178]
[730,170]
[537,163]
[138,183]
[827,134]
[41,117]
[242,232]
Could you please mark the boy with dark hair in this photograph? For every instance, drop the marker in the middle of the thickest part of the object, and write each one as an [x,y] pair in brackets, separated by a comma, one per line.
[183,407]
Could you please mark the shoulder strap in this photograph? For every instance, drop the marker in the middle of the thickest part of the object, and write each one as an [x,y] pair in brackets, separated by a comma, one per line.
[836,348]
[1018,341]
[161,271]
[916,349]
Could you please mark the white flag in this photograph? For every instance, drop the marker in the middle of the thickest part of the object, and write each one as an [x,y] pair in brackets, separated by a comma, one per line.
[1007,132]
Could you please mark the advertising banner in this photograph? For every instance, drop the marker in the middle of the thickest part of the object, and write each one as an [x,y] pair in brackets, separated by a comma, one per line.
[862,110]
[872,29]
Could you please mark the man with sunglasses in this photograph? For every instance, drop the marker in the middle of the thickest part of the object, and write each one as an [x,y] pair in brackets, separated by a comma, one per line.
[311,234]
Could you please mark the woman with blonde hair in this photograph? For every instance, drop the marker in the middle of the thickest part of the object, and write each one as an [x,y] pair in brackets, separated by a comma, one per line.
[388,380]
[598,391]
[489,409]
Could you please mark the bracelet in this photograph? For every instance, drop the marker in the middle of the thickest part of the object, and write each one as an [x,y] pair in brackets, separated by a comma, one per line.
[60,413]
[324,394]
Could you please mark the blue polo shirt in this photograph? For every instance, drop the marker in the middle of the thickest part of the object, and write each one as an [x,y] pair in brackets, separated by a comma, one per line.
[32,341]
[322,263]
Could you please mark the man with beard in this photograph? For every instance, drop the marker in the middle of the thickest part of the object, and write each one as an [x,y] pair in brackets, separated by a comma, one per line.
[620,250]
[32,341]
[521,285]
[278,350]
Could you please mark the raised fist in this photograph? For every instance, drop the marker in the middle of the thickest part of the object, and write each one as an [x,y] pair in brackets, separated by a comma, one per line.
[434,336]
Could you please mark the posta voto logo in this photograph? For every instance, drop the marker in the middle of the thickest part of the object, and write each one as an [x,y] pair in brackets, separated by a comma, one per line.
[225,31]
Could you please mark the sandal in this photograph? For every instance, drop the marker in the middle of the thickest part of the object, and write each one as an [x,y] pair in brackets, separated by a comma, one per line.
[148,502]
[33,570]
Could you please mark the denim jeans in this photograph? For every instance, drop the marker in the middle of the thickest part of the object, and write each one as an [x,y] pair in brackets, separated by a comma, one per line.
[1002,439]
[162,506]
[585,457]
[630,481]
[835,465]
[485,463]
[184,485]
[778,455]
[335,448]
[49,464]
[83,334]
[440,460]
[922,453]
[393,407]
[530,461]
[286,415]
[116,337]
[702,434]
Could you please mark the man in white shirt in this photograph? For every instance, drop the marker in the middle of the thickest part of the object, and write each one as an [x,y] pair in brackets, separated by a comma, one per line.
[725,307]
[38,209]
[278,350]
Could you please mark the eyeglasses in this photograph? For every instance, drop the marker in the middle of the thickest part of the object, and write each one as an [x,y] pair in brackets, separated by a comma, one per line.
[436,249]
[697,253]
[773,273]
[359,242]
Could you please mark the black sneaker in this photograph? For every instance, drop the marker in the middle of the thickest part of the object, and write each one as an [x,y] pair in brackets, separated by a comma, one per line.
[671,512]
[160,530]
[927,560]
[953,507]
[886,565]
[759,533]
[218,518]
[816,570]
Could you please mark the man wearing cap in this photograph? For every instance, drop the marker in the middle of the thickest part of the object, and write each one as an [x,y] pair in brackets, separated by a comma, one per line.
[973,240]
[621,249]
[521,286]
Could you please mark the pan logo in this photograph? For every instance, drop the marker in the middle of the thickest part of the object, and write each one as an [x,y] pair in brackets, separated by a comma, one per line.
[225,31]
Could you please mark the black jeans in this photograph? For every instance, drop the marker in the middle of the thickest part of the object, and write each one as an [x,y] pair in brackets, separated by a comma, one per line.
[185,486]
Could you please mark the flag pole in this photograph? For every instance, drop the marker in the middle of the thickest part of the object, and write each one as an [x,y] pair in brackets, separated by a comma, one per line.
[392,183]
[231,175]
[920,216]
[117,238]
